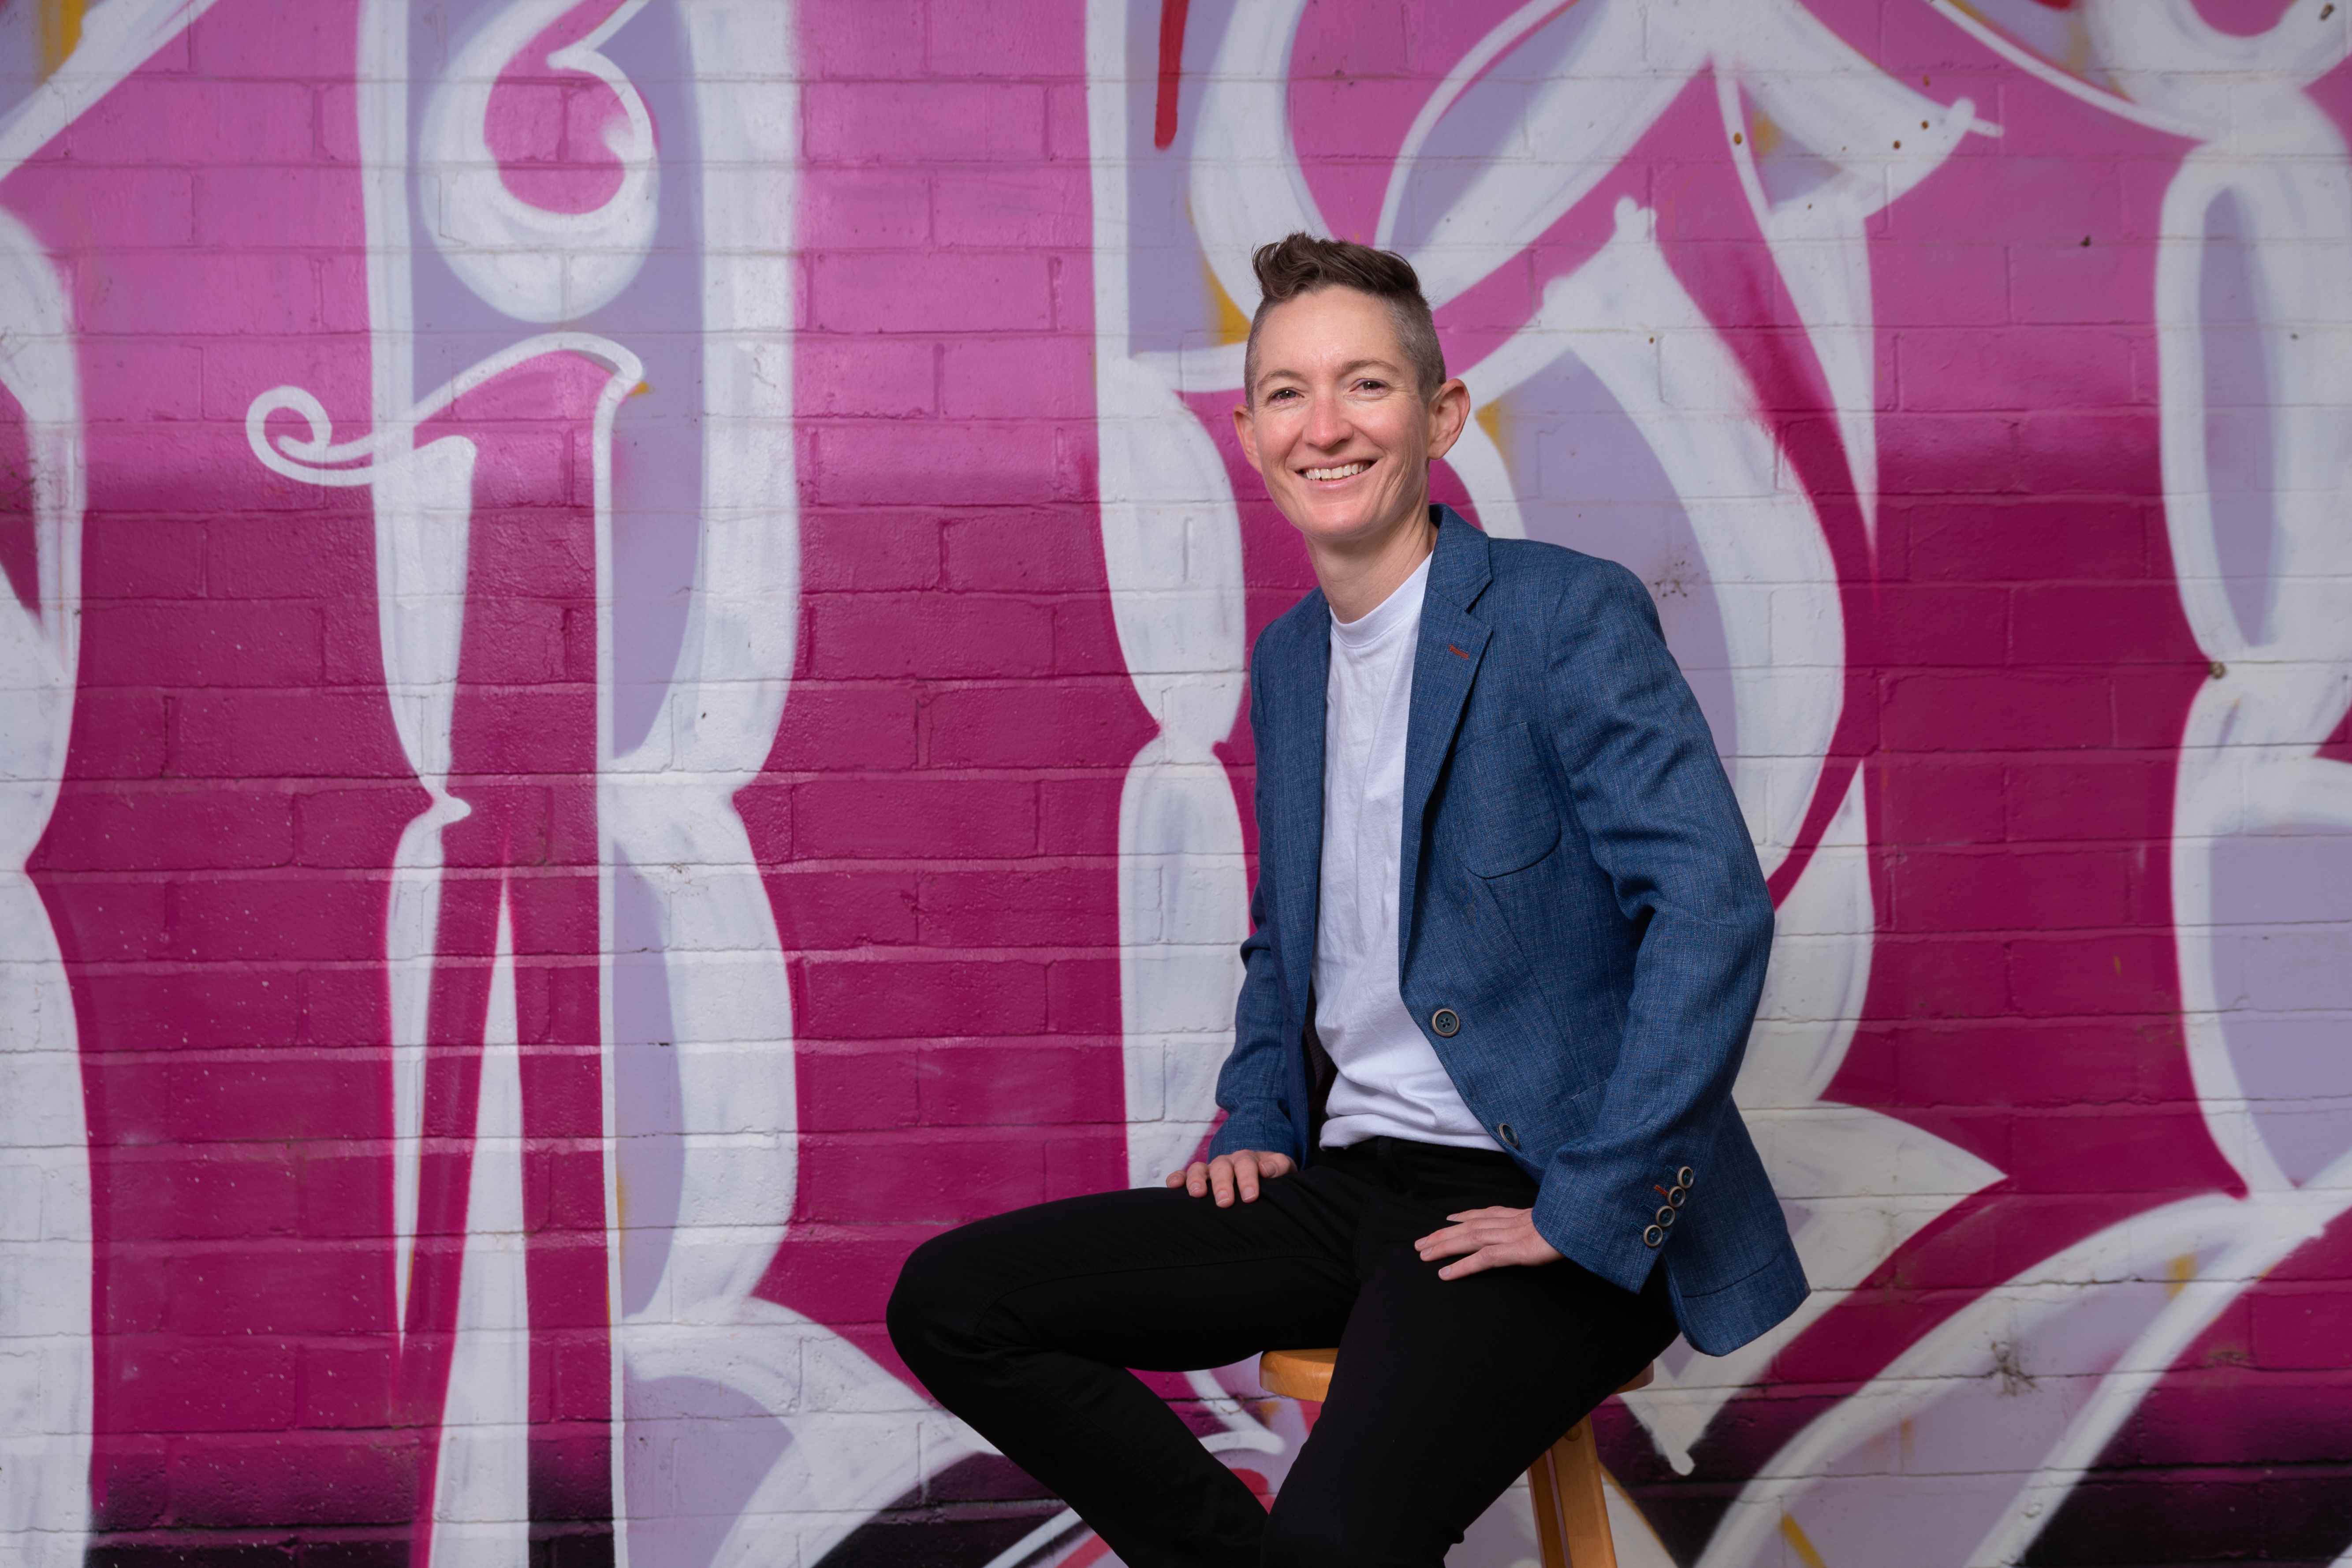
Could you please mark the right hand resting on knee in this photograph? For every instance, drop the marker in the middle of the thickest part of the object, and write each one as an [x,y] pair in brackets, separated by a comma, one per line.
[1239,1172]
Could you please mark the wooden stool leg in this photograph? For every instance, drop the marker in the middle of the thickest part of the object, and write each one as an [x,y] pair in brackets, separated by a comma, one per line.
[1575,1464]
[1544,1492]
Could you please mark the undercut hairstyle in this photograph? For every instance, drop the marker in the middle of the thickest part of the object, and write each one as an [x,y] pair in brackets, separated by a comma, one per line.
[1303,263]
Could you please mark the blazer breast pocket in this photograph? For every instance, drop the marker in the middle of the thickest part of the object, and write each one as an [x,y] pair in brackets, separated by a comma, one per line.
[1503,819]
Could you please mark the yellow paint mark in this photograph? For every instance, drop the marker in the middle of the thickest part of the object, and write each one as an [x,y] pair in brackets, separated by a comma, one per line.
[1767,134]
[2182,1269]
[1490,419]
[641,389]
[61,32]
[1233,324]
[2078,57]
[1801,1543]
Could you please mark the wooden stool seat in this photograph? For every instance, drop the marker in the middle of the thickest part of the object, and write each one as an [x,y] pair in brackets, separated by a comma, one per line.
[1572,1508]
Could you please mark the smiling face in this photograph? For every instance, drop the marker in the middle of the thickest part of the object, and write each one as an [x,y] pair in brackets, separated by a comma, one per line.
[1337,425]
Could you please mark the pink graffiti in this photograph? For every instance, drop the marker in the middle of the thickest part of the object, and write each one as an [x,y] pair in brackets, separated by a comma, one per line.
[944,827]
[215,867]
[524,759]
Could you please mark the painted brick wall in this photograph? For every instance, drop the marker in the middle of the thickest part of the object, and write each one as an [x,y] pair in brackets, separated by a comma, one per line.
[623,693]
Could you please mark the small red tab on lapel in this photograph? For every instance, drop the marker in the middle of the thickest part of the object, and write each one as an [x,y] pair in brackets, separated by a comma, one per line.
[1455,651]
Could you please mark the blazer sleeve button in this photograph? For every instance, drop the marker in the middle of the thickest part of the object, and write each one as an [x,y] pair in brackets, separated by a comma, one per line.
[1503,1130]
[1446,1022]
[1651,1236]
[1684,1177]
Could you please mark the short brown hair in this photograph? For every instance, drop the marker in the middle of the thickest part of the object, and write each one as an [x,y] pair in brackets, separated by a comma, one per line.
[1303,263]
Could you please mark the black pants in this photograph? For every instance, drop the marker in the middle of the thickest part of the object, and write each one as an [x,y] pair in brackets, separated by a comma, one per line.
[1447,1389]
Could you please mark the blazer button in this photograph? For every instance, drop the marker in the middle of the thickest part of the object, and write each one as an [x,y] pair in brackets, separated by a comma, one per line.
[1666,1217]
[1684,1178]
[1446,1022]
[1503,1130]
[1677,1196]
[1651,1236]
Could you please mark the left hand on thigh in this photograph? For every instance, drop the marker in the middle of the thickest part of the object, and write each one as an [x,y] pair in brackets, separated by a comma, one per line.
[1494,1238]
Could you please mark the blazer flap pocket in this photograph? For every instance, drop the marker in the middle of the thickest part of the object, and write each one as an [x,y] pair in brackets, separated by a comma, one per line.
[1500,803]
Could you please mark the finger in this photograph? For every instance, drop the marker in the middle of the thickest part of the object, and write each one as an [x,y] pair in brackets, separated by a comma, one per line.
[1274,1165]
[1246,1178]
[1221,1176]
[1479,1232]
[1471,1233]
[1175,1179]
[1196,1180]
[1478,1262]
[1447,1244]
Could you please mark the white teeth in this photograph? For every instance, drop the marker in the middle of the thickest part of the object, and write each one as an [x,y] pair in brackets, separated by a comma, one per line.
[1343,471]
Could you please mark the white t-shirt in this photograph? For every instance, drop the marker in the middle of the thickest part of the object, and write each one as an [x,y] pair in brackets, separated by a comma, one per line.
[1389,1081]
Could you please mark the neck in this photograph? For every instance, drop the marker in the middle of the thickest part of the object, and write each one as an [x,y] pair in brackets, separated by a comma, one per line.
[1358,576]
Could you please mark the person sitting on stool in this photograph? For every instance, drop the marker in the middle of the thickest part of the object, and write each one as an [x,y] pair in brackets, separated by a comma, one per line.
[1506,943]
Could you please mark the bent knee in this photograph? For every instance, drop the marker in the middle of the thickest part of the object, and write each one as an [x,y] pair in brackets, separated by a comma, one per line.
[936,1296]
[924,1290]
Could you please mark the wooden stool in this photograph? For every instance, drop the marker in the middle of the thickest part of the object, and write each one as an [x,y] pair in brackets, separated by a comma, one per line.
[1571,1509]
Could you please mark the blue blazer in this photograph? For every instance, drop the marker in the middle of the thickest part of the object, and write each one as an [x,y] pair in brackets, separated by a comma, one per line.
[1582,926]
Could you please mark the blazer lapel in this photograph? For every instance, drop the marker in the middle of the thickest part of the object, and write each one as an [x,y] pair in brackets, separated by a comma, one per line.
[1292,772]
[1445,663]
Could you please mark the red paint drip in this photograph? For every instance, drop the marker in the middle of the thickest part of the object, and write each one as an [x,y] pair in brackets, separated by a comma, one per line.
[1171,68]
[2337,747]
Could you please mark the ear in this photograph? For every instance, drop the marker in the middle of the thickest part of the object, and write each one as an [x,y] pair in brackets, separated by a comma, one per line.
[1246,432]
[1449,411]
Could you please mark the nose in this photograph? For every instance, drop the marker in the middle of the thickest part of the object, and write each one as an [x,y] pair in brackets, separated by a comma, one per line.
[1327,423]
